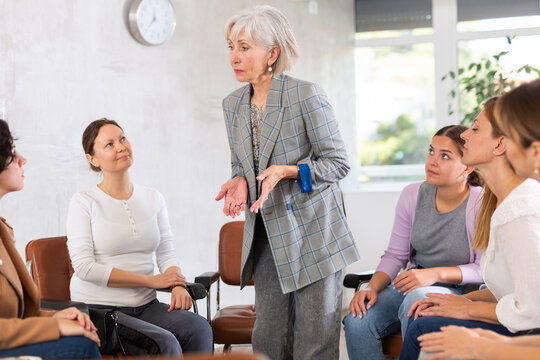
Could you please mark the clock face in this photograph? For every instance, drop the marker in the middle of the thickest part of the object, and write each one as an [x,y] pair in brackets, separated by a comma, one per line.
[151,22]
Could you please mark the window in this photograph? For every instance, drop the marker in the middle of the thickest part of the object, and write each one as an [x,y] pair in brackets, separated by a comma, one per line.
[402,50]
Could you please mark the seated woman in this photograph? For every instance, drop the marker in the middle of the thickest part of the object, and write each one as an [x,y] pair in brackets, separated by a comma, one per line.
[433,230]
[517,113]
[509,230]
[114,229]
[68,334]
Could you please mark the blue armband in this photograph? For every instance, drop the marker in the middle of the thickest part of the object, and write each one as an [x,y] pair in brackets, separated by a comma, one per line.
[305,178]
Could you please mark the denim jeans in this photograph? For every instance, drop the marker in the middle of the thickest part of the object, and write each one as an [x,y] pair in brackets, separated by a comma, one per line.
[387,316]
[68,347]
[428,324]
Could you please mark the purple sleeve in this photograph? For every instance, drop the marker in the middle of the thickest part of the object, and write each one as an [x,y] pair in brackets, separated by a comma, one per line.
[398,250]
[471,273]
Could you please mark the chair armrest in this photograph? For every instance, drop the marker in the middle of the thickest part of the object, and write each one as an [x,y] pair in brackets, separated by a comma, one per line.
[207,279]
[195,290]
[48,304]
[353,280]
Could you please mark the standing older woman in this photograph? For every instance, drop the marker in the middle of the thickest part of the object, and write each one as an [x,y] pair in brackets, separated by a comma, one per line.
[287,157]
[509,230]
[517,113]
[68,334]
[114,231]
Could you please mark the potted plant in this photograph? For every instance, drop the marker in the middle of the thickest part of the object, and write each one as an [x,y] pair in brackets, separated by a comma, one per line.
[483,80]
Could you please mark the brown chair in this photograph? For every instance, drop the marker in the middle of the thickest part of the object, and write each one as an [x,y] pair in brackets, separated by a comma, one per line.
[232,325]
[48,261]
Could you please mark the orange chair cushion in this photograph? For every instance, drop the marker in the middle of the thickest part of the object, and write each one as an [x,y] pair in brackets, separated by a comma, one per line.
[234,324]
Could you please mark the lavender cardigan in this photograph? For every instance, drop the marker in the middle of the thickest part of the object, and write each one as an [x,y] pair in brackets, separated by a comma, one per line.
[399,249]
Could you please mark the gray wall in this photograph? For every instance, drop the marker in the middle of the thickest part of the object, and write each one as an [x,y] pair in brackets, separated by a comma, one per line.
[64,63]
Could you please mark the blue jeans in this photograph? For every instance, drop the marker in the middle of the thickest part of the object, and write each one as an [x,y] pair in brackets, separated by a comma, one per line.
[68,347]
[428,324]
[387,316]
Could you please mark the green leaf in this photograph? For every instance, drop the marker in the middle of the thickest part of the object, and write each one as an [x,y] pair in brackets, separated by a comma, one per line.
[443,78]
[461,71]
[452,74]
[509,39]
[471,66]
[488,64]
[453,94]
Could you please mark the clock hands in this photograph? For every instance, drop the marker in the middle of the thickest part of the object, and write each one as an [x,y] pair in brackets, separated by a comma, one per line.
[152,22]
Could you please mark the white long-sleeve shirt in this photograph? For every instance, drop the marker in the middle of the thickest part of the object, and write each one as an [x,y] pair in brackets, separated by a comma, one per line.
[106,233]
[511,262]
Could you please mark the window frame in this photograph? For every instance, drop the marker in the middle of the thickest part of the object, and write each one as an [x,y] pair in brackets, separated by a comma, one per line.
[445,31]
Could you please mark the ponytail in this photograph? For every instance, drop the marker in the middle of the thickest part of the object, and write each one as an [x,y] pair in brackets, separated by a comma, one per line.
[481,234]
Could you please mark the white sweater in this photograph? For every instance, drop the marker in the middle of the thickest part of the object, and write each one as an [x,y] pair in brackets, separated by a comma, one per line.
[106,233]
[511,262]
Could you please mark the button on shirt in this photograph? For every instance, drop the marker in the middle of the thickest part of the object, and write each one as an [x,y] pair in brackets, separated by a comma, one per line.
[106,233]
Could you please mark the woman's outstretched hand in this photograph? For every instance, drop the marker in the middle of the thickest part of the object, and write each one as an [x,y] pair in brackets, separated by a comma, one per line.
[270,177]
[235,193]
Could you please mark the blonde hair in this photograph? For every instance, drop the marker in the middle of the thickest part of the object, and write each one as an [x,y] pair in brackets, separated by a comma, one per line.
[519,110]
[489,200]
[268,27]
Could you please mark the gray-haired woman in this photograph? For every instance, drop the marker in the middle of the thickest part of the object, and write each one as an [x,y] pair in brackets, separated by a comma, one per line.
[287,157]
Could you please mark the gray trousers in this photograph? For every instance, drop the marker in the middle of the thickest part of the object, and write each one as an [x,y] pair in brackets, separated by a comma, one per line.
[151,330]
[303,324]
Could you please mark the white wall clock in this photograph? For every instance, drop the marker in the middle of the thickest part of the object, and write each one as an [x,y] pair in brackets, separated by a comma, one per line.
[151,22]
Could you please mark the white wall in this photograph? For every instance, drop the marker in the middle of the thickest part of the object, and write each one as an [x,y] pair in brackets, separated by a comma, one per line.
[64,63]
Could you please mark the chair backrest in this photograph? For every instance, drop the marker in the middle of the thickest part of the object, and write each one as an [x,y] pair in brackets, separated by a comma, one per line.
[50,266]
[230,252]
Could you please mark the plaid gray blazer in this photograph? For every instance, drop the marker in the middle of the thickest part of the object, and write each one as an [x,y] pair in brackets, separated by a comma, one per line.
[308,232]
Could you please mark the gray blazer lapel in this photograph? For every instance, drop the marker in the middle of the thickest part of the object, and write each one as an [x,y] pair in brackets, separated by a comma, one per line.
[271,125]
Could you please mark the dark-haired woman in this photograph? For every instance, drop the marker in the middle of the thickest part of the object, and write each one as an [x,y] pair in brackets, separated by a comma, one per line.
[114,231]
[432,234]
[68,334]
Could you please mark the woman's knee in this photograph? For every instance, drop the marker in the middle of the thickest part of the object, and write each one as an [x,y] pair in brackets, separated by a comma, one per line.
[196,334]
[201,328]
[357,327]
[168,343]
